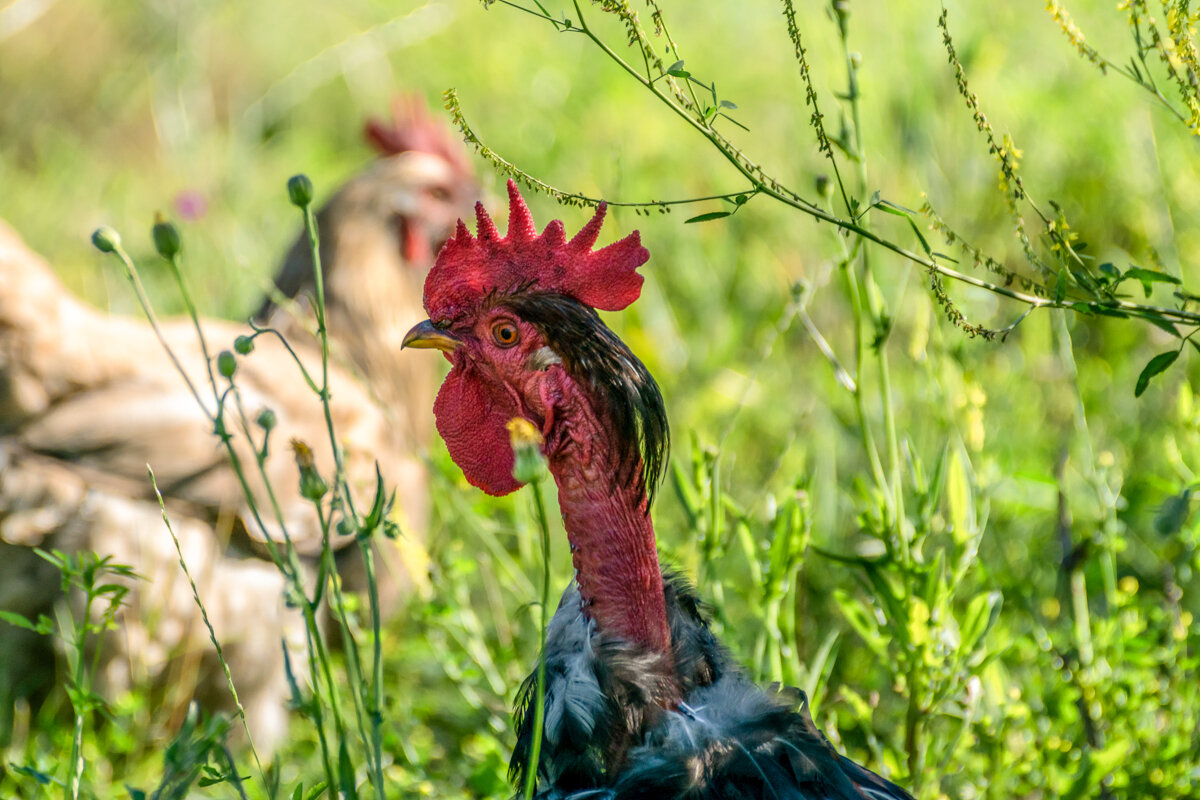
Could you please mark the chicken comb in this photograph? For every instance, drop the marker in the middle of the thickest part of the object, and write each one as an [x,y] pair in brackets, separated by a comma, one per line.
[413,130]
[470,268]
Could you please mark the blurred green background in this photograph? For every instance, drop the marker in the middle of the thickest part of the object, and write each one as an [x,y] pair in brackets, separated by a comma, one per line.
[112,111]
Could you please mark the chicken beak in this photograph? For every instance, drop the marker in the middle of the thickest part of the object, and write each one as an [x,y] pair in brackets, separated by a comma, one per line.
[427,337]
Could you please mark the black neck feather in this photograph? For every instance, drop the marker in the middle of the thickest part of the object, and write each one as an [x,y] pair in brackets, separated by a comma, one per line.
[622,388]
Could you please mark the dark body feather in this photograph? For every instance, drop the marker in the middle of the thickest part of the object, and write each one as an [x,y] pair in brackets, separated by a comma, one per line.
[607,734]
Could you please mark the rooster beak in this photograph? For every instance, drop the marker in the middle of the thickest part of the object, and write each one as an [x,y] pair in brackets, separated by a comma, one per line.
[427,337]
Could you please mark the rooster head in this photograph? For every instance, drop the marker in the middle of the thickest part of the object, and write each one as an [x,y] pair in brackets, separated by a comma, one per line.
[516,317]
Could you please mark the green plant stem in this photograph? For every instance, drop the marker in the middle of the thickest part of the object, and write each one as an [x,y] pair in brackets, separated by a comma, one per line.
[217,417]
[212,635]
[312,634]
[376,711]
[374,738]
[191,309]
[82,692]
[290,568]
[889,485]
[761,184]
[131,274]
[539,707]
[1081,618]
[234,778]
[864,428]
[258,331]
[368,700]
[314,243]
[892,485]
[288,561]
[353,666]
[1104,495]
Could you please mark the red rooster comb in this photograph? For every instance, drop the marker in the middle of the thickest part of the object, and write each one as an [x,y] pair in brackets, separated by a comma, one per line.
[470,267]
[412,129]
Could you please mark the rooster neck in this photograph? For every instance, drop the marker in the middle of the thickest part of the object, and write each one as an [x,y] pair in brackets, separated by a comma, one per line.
[607,522]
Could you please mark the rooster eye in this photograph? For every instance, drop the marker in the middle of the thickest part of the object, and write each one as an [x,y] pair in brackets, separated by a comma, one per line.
[505,333]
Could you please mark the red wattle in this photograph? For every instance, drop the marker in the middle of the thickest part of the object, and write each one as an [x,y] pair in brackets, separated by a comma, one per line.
[471,419]
[414,246]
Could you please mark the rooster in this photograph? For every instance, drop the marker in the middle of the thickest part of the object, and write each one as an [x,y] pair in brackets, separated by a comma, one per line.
[87,400]
[641,699]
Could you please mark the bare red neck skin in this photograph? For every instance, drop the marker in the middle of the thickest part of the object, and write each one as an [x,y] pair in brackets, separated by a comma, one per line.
[607,521]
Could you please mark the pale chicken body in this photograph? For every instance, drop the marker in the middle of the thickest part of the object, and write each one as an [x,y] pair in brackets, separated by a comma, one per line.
[87,400]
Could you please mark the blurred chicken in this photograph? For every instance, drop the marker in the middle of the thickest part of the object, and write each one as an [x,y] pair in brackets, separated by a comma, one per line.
[87,400]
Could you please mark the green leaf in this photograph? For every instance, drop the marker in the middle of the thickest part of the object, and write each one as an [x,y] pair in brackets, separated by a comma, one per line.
[900,211]
[29,772]
[1165,325]
[1173,513]
[55,557]
[863,622]
[676,70]
[1151,276]
[982,613]
[890,207]
[734,121]
[1095,766]
[1060,286]
[819,668]
[1083,279]
[960,499]
[347,786]
[935,589]
[1098,308]
[727,104]
[375,515]
[707,217]
[13,618]
[888,595]
[1157,365]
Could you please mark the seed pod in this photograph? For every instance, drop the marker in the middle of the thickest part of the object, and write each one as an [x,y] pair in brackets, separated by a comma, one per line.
[243,345]
[106,239]
[166,238]
[226,364]
[300,190]
[312,485]
[266,419]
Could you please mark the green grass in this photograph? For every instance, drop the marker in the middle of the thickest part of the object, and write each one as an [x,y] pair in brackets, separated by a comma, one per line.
[1083,674]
